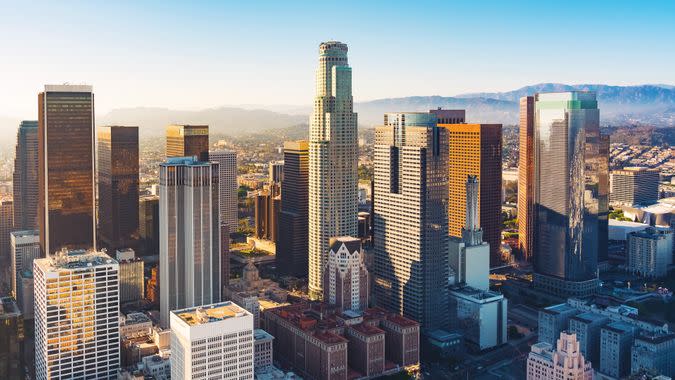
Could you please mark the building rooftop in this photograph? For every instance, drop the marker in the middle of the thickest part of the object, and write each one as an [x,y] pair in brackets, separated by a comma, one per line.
[210,313]
[135,318]
[655,338]
[260,334]
[476,294]
[74,259]
[589,317]
[68,88]
[619,327]
[558,309]
[8,308]
[26,233]
[367,329]
[184,161]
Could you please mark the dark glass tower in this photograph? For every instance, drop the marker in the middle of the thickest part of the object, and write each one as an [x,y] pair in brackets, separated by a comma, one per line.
[26,190]
[567,193]
[188,140]
[66,210]
[118,187]
[292,248]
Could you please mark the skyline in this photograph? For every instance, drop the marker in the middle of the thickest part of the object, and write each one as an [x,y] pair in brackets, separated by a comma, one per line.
[194,57]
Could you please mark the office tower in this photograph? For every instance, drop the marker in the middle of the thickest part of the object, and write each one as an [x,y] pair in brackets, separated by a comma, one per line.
[411,230]
[189,250]
[118,187]
[228,186]
[566,193]
[224,255]
[26,294]
[25,178]
[249,301]
[152,293]
[650,252]
[148,228]
[603,198]
[469,257]
[587,327]
[553,320]
[263,348]
[25,246]
[563,362]
[267,203]
[346,277]
[480,314]
[188,141]
[6,227]
[449,116]
[635,186]
[276,171]
[476,149]
[526,177]
[616,340]
[66,207]
[76,316]
[654,352]
[292,248]
[333,156]
[132,280]
[11,340]
[212,342]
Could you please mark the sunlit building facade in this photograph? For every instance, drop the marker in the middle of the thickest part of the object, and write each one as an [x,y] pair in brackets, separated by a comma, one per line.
[525,178]
[333,158]
[187,141]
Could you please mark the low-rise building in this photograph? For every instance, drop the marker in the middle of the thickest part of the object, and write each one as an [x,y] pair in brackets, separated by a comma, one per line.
[654,352]
[366,349]
[553,320]
[11,340]
[480,314]
[650,252]
[616,340]
[262,351]
[565,362]
[587,328]
[135,324]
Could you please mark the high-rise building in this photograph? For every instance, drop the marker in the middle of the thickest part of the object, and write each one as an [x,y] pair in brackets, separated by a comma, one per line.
[650,252]
[476,149]
[410,220]
[189,250]
[480,314]
[188,141]
[603,198]
[346,277]
[118,187]
[11,340]
[276,171]
[292,249]
[76,316]
[267,203]
[25,178]
[587,328]
[6,227]
[449,116]
[132,280]
[565,362]
[553,320]
[66,138]
[333,156]
[212,342]
[469,257]
[635,186]
[227,159]
[25,247]
[526,177]
[566,193]
[148,224]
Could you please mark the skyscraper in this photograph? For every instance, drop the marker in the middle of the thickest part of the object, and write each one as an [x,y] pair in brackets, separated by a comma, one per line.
[476,149]
[333,156]
[6,227]
[411,218]
[293,217]
[525,177]
[118,187]
[66,209]
[148,219]
[25,178]
[267,203]
[25,247]
[187,141]
[189,250]
[603,198]
[76,316]
[11,340]
[566,193]
[633,186]
[227,159]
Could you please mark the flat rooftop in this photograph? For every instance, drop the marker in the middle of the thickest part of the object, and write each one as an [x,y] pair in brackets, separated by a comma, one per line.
[619,327]
[260,334]
[558,309]
[74,259]
[589,317]
[367,329]
[474,293]
[216,312]
[8,308]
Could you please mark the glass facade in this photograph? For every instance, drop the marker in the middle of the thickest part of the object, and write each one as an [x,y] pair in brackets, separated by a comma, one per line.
[567,167]
[66,168]
[188,140]
[25,180]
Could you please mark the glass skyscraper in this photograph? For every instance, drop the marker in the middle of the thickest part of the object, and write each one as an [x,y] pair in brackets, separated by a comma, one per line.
[567,192]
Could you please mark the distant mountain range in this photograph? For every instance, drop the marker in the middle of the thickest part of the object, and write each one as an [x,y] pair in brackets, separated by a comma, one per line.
[647,105]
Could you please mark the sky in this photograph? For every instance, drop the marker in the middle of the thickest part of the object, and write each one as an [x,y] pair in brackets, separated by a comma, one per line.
[203,54]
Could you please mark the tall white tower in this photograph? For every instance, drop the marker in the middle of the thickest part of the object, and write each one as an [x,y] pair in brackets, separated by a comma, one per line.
[333,156]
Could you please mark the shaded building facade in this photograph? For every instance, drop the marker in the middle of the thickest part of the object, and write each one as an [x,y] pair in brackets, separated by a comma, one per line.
[567,166]
[118,187]
[346,282]
[292,248]
[411,218]
[525,177]
[148,228]
[267,203]
[476,149]
[25,177]
[66,138]
[227,161]
[187,141]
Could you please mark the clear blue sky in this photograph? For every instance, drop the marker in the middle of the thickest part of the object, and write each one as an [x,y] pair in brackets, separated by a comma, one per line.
[193,55]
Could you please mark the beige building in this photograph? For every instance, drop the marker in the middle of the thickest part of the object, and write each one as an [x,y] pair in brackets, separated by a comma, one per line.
[565,362]
[346,277]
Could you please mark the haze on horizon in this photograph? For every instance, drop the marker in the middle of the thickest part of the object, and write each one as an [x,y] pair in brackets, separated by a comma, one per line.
[193,56]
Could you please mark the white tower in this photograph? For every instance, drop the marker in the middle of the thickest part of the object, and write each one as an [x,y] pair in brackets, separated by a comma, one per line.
[333,156]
